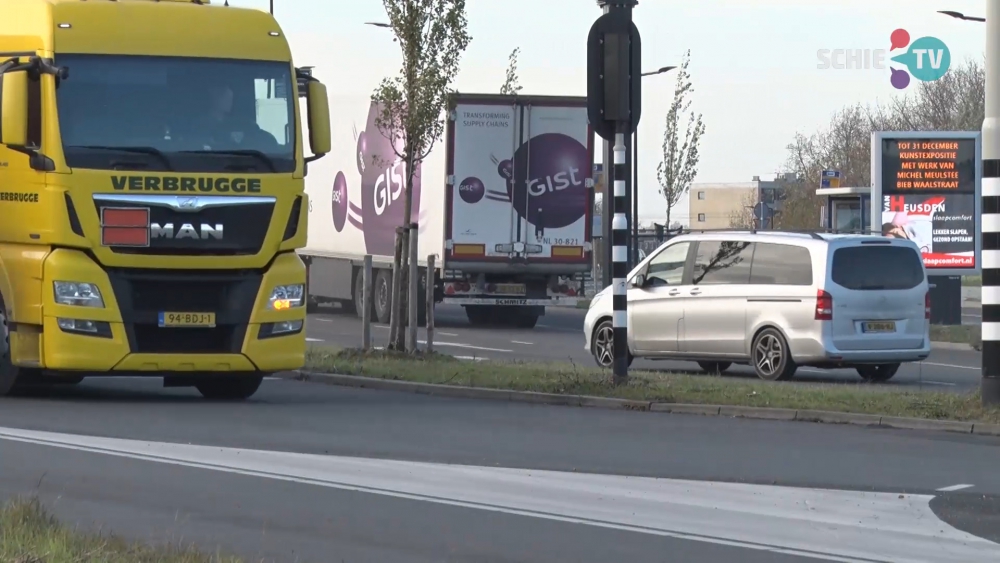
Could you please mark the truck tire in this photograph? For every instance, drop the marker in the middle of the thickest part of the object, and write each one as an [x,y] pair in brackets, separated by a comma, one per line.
[478,315]
[12,378]
[359,297]
[229,388]
[382,294]
[526,320]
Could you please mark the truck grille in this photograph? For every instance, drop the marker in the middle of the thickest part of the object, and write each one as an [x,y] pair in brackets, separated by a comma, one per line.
[143,294]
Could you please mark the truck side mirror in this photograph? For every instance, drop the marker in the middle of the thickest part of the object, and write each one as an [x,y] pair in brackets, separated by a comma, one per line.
[319,120]
[14,109]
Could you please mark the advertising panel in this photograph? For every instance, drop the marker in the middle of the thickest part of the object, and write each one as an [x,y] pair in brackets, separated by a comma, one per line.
[926,188]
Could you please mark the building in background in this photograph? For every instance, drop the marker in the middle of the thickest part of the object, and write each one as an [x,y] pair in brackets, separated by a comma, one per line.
[730,205]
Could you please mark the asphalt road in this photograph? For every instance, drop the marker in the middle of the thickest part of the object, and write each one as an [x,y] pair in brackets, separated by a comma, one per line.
[306,472]
[559,337]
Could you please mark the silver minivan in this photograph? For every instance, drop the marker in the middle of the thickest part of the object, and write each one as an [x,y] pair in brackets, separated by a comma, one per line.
[773,300]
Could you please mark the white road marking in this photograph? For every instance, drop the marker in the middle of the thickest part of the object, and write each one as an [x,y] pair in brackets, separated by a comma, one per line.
[953,366]
[444,333]
[941,383]
[314,340]
[845,526]
[322,320]
[471,358]
[519,342]
[467,346]
[954,488]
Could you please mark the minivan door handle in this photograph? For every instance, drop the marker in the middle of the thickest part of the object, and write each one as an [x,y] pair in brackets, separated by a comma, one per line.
[695,292]
[674,292]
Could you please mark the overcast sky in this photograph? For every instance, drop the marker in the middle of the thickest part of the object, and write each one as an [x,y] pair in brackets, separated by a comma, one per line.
[754,62]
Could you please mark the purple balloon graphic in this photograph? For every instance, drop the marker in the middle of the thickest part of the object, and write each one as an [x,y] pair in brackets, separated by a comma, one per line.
[471,190]
[505,169]
[383,183]
[340,201]
[900,78]
[553,193]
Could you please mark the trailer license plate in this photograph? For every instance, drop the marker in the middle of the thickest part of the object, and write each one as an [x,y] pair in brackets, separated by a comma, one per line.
[181,320]
[881,326]
[511,288]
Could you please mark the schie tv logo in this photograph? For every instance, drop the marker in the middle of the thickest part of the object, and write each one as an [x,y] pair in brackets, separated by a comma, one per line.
[927,59]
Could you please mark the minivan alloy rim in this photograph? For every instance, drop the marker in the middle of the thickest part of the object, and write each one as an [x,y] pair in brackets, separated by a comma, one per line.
[604,346]
[768,354]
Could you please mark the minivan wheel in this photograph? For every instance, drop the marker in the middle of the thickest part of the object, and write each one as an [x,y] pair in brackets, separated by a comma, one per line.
[715,368]
[771,359]
[877,373]
[602,345]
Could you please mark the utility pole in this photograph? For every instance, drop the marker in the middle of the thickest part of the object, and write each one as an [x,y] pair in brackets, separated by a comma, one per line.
[614,74]
[990,385]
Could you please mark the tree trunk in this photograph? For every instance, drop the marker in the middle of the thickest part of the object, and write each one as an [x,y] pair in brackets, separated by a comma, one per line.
[397,280]
[399,310]
[667,226]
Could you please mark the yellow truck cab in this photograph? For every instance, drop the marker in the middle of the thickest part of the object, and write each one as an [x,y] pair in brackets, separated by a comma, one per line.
[152,193]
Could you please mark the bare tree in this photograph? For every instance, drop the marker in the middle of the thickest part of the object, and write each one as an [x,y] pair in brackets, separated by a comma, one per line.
[432,35]
[742,216]
[956,102]
[680,155]
[511,87]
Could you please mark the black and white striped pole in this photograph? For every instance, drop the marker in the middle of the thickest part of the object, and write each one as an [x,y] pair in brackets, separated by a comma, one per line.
[614,73]
[990,385]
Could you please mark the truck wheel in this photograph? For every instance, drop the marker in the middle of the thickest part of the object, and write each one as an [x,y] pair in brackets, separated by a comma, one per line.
[479,315]
[12,378]
[382,296]
[229,388]
[359,297]
[526,320]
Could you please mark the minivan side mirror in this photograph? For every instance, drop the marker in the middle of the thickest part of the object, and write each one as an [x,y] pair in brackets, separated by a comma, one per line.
[318,107]
[14,108]
[639,280]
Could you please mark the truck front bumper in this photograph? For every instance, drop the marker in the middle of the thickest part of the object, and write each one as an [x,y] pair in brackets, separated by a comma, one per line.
[124,336]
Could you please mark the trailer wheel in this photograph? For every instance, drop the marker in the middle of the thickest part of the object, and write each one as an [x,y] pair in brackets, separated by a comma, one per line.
[478,315]
[526,320]
[383,296]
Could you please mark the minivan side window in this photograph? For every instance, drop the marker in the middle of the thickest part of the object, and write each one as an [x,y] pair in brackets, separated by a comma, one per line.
[667,267]
[722,262]
[781,264]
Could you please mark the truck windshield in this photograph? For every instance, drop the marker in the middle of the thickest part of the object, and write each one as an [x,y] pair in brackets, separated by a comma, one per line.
[176,113]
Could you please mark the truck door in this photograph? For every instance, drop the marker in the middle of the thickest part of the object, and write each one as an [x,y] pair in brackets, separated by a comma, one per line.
[554,170]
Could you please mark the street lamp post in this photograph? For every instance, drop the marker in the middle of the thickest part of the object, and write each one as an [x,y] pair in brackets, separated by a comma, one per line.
[634,251]
[990,221]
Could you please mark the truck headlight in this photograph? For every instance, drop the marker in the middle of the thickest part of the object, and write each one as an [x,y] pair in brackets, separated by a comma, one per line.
[287,296]
[78,293]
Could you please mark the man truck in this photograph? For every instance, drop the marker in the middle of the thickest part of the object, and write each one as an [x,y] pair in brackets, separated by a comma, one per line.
[151,193]
[503,201]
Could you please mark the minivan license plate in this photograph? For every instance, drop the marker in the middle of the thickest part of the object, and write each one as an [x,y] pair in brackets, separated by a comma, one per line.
[880,326]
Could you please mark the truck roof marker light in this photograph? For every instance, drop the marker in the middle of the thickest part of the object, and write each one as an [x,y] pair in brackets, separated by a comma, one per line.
[274,34]
[65,25]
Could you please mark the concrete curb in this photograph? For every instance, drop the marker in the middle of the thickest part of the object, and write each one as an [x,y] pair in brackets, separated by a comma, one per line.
[554,399]
[964,346]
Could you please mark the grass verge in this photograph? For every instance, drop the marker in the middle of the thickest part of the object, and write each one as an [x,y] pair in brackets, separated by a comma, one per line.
[965,334]
[972,281]
[565,378]
[28,534]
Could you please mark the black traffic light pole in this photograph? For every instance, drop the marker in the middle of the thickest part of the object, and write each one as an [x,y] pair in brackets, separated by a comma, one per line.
[614,73]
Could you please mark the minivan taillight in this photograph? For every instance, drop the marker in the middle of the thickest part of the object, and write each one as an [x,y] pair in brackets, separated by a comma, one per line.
[927,305]
[824,306]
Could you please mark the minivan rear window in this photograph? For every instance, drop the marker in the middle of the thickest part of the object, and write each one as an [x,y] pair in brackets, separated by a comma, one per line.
[875,267]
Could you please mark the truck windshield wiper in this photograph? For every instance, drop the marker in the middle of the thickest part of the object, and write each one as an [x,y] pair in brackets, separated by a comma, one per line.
[261,156]
[152,151]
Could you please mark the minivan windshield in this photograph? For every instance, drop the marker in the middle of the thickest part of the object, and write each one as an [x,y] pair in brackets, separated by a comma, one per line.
[176,113]
[877,266]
